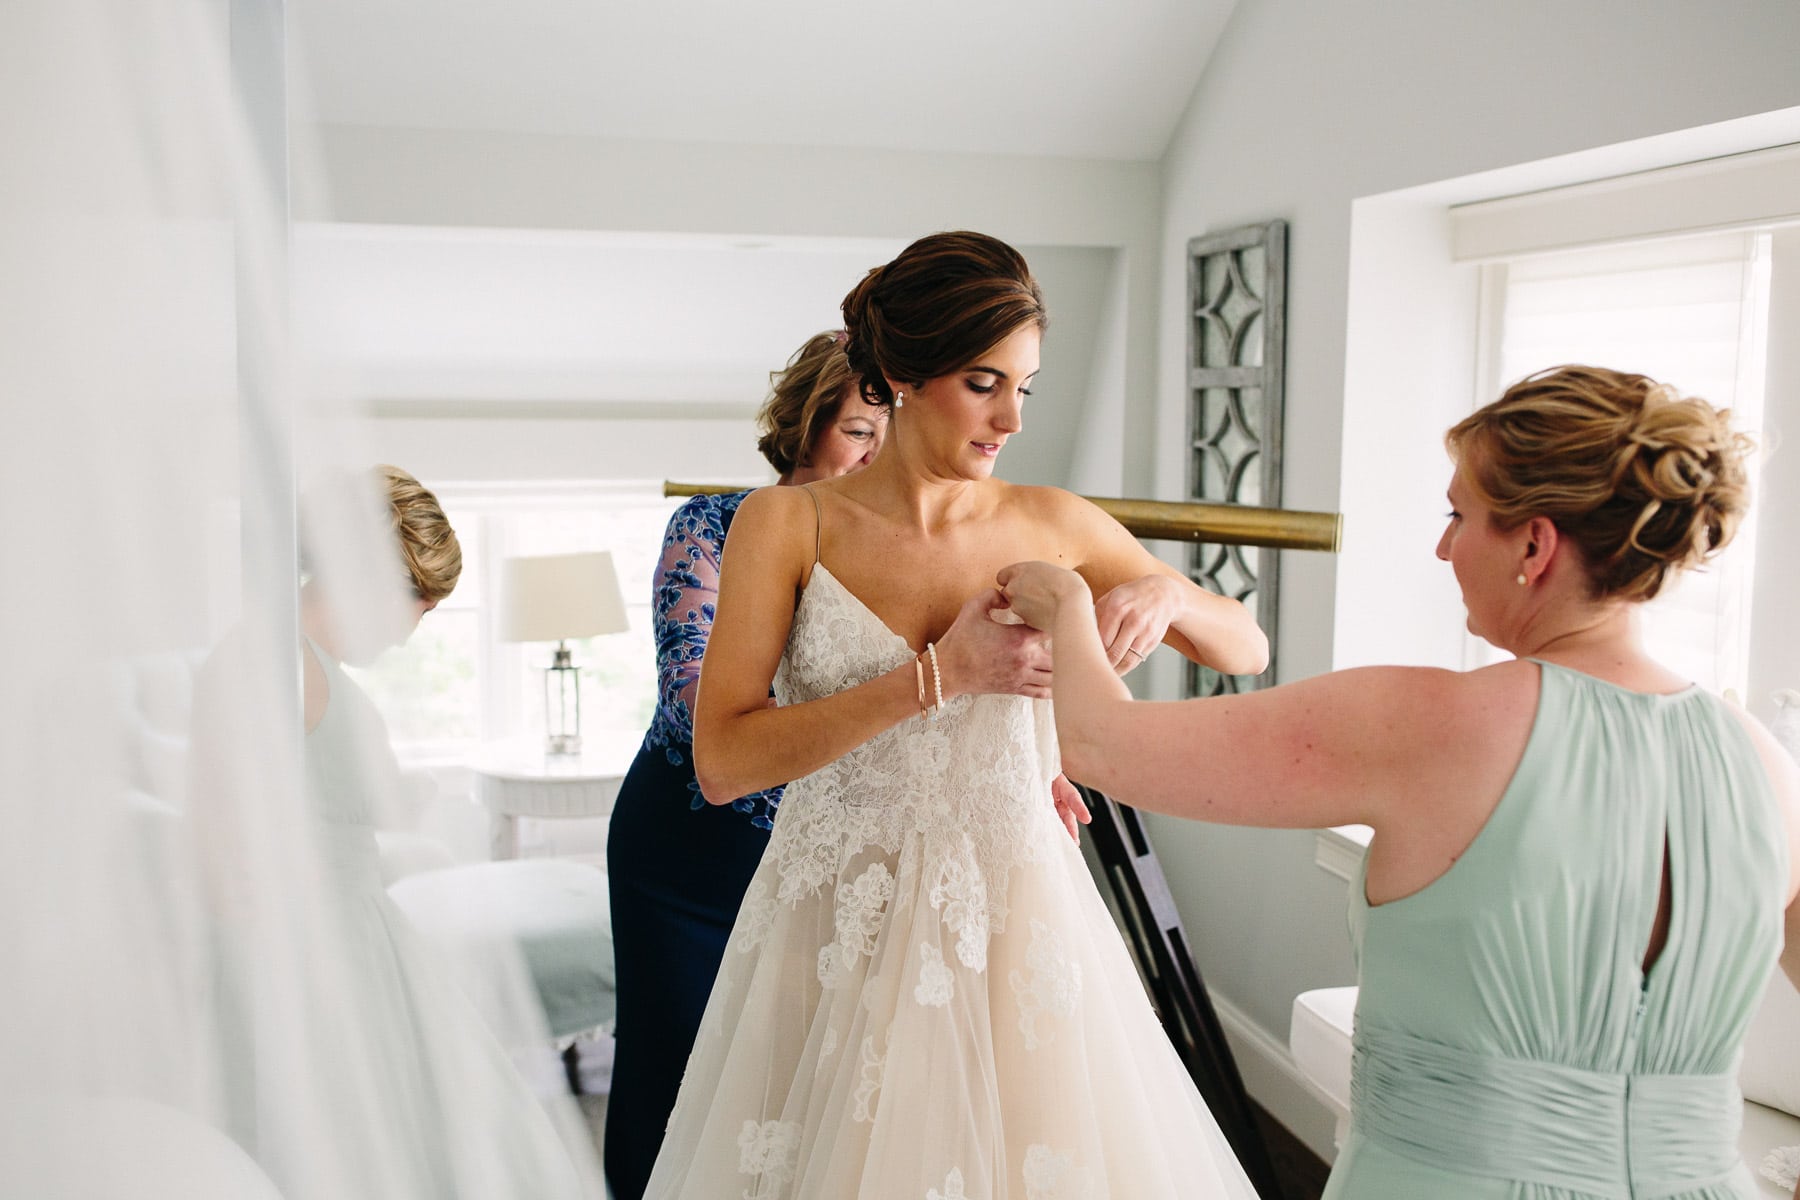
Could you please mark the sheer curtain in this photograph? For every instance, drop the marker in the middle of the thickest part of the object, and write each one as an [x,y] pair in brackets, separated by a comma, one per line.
[178,1011]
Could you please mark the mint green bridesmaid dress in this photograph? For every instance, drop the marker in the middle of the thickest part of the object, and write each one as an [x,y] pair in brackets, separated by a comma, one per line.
[1508,1042]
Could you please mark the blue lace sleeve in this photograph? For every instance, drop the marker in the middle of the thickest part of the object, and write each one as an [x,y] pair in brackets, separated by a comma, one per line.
[687,589]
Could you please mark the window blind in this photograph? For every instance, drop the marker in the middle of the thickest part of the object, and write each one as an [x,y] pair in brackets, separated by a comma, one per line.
[1688,312]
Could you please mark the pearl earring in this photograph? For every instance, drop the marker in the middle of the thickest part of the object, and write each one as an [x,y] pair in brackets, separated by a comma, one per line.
[899,399]
[1522,581]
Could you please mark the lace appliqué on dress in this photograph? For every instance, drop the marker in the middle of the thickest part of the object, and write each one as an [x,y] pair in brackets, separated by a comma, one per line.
[868,1086]
[1054,986]
[755,916]
[769,1151]
[858,919]
[936,984]
[1052,1176]
[953,1187]
[961,894]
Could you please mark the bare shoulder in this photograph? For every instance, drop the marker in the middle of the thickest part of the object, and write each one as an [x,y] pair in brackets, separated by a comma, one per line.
[1081,527]
[775,525]
[777,512]
[1442,746]
[1428,708]
[774,503]
[1049,503]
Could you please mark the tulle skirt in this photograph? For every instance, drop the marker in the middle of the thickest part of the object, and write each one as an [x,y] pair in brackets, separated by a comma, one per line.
[896,1036]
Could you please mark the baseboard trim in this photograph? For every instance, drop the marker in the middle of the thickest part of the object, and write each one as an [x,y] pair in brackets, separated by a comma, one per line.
[1274,1082]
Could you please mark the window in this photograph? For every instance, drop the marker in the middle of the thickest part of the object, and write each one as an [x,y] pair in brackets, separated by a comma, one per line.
[454,684]
[1691,312]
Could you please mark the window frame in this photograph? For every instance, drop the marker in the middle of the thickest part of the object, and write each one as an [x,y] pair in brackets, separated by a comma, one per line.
[487,512]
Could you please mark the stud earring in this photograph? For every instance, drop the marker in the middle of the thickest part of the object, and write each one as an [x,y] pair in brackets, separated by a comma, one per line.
[1522,581]
[899,399]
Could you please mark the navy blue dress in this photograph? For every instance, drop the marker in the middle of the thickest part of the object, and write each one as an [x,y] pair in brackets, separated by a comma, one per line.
[678,866]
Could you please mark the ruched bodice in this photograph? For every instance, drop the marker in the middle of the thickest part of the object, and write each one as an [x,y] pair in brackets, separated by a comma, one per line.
[1509,1042]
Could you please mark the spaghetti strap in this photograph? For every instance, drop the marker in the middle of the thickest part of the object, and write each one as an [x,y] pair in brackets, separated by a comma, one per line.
[818,524]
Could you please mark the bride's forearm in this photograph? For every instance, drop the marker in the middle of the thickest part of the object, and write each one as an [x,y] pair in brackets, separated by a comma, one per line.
[737,754]
[1222,632]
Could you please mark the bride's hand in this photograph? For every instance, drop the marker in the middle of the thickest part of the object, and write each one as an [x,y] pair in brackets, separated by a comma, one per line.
[979,656]
[1069,808]
[1034,591]
[1133,618]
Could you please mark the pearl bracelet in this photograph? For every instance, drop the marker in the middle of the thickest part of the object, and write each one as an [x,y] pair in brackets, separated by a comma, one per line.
[937,680]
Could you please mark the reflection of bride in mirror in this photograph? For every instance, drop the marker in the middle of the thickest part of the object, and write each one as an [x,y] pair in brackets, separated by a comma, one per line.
[380,554]
[203,994]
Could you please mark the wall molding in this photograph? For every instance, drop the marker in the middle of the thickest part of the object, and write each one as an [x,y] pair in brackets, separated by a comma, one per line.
[1274,1082]
[1340,851]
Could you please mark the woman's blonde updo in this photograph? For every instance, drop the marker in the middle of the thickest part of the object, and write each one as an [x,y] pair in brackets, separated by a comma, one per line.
[803,401]
[428,545]
[1644,481]
[946,299]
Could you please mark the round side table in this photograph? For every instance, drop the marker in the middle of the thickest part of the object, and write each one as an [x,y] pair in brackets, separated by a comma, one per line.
[518,778]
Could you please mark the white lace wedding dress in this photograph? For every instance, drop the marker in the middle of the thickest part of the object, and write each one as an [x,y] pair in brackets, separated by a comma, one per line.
[924,997]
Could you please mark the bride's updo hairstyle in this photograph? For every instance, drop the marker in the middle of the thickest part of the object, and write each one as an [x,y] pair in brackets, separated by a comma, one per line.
[1645,482]
[946,299]
[427,543]
[344,504]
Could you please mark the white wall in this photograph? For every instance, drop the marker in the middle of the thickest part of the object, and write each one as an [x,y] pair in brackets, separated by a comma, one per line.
[437,178]
[1088,227]
[1304,109]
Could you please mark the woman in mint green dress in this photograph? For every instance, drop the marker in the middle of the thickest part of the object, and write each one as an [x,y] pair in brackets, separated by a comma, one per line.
[1577,883]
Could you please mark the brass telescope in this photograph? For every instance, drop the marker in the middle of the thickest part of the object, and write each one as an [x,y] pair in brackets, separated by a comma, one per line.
[1215,524]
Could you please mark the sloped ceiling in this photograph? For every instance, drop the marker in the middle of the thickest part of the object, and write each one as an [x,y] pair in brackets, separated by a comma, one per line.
[1055,77]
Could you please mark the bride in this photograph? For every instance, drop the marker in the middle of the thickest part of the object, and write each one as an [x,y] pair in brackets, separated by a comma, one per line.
[924,996]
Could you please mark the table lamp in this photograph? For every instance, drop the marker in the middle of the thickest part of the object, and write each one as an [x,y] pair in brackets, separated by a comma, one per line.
[552,598]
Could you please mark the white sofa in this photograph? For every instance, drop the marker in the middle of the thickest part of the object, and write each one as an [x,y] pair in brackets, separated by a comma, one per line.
[1320,1042]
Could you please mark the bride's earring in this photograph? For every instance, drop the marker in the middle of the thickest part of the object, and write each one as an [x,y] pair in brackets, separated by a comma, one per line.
[1522,580]
[899,399]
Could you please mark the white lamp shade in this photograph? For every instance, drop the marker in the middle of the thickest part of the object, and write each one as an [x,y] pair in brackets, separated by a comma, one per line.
[550,597]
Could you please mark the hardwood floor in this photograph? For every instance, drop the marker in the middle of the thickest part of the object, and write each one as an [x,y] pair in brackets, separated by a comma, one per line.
[1299,1171]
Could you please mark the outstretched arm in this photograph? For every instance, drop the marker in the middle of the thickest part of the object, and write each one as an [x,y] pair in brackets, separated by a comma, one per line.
[1337,749]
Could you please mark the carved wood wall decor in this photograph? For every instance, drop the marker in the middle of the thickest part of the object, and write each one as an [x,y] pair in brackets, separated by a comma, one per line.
[1236,357]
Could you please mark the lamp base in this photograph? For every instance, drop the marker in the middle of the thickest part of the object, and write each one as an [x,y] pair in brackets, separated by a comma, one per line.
[563,743]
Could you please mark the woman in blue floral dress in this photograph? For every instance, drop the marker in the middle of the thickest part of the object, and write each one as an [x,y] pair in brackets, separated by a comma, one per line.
[679,866]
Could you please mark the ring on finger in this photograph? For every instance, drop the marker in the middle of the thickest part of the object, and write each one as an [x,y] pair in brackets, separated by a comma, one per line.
[1133,650]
